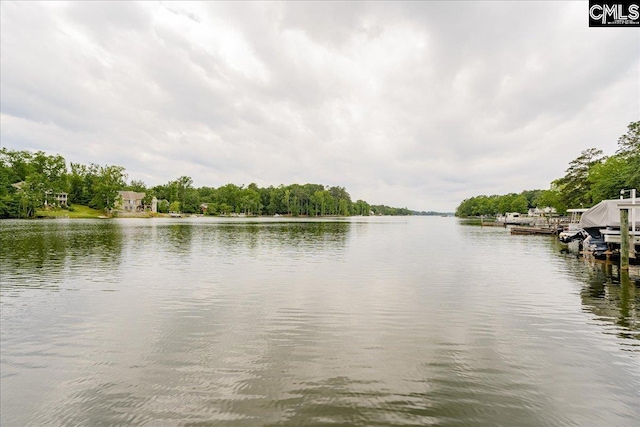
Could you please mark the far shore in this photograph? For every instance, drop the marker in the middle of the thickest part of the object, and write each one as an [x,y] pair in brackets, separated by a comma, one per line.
[85,212]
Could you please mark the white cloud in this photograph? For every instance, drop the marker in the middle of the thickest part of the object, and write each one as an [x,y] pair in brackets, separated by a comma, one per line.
[408,104]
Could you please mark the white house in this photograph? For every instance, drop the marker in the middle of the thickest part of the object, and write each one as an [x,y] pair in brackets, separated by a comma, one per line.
[57,199]
[546,211]
[50,197]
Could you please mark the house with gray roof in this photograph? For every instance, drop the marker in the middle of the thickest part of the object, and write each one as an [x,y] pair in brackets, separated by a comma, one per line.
[129,201]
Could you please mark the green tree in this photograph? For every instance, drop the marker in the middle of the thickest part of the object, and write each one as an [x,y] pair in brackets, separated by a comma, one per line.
[574,186]
[29,181]
[18,164]
[137,186]
[620,171]
[608,178]
[163,206]
[107,183]
[520,204]
[184,186]
[360,207]
[79,184]
[250,201]
[629,150]
[287,199]
[225,208]
[629,143]
[9,205]
[505,202]
[275,200]
[229,196]
[551,198]
[51,174]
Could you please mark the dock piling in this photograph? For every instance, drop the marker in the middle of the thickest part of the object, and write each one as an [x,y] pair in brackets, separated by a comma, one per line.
[624,239]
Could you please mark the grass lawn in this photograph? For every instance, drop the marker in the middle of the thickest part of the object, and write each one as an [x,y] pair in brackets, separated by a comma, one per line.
[79,211]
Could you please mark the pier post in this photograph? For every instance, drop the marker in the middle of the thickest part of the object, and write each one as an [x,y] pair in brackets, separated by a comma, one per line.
[624,239]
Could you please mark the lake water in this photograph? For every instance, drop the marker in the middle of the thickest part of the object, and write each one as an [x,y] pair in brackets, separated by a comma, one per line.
[360,321]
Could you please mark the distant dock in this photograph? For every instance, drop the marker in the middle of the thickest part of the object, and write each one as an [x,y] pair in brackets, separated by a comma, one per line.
[534,230]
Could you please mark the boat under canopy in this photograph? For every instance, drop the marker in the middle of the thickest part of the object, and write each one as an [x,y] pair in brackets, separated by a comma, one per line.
[606,214]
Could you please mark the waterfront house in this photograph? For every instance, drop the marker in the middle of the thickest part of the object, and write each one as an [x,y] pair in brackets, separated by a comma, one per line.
[51,198]
[56,199]
[129,201]
[538,212]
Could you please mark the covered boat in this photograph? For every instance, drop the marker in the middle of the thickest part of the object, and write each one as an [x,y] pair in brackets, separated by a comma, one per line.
[605,214]
[601,224]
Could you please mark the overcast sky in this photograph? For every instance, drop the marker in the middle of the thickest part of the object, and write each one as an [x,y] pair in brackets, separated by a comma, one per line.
[419,104]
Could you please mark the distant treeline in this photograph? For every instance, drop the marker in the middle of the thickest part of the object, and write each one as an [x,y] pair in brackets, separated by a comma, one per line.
[501,204]
[589,179]
[431,213]
[29,181]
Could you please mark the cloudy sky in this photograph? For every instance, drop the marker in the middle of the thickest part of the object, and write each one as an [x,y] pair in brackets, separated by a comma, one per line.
[406,104]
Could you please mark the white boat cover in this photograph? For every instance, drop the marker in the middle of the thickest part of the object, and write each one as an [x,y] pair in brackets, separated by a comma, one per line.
[607,214]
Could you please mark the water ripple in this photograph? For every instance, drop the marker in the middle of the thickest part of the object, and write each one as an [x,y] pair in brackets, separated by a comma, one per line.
[417,321]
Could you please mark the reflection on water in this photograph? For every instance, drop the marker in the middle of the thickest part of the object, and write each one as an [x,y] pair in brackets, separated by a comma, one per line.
[378,321]
[612,296]
[44,254]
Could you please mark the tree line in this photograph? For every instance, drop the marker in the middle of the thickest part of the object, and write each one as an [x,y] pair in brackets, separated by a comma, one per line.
[28,182]
[294,199]
[589,179]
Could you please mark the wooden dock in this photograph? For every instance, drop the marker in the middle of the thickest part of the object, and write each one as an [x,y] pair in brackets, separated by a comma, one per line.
[533,230]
